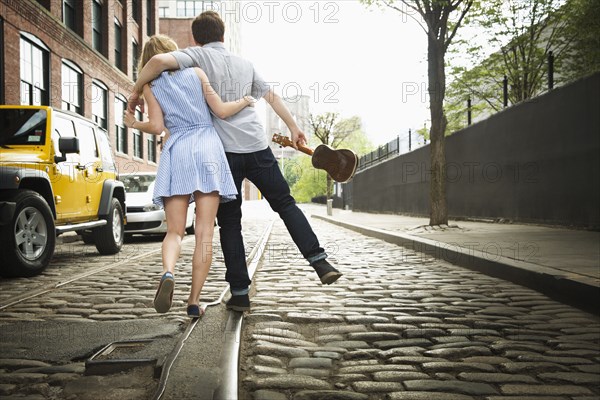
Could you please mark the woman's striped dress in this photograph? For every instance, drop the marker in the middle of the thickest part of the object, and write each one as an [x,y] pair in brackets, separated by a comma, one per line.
[193,158]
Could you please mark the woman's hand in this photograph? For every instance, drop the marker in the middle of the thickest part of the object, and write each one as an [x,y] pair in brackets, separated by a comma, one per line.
[129,119]
[250,101]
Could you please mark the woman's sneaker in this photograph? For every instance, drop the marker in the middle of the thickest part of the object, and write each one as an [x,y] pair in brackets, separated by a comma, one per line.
[326,272]
[164,294]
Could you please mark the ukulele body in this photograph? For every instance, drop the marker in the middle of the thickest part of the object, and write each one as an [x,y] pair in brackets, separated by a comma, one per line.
[340,164]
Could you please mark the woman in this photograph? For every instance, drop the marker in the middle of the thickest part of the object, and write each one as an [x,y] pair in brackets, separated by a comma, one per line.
[193,166]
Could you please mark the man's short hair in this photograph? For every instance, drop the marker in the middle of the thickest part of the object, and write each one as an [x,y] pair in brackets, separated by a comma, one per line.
[208,27]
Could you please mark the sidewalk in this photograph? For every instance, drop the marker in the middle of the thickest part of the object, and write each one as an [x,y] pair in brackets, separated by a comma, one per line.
[562,263]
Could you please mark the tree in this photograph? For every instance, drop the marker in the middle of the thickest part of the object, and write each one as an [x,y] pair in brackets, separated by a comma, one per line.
[531,29]
[583,24]
[440,21]
[292,171]
[523,33]
[311,181]
[354,136]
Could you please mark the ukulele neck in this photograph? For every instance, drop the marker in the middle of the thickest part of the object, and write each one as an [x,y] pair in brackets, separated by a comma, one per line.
[305,150]
[286,142]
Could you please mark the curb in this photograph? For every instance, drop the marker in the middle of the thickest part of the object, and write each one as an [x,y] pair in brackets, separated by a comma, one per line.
[579,291]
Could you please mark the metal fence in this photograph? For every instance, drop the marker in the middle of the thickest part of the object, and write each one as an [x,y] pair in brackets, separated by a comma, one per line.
[400,145]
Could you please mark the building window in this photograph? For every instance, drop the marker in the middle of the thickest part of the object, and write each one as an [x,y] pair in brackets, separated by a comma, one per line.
[35,71]
[69,8]
[97,25]
[118,44]
[45,4]
[135,10]
[136,57]
[72,85]
[120,130]
[163,12]
[100,104]
[138,138]
[192,8]
[151,139]
[149,18]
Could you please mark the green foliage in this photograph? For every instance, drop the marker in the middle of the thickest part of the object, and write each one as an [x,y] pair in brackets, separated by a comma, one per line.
[522,32]
[424,132]
[355,138]
[291,170]
[583,25]
[311,182]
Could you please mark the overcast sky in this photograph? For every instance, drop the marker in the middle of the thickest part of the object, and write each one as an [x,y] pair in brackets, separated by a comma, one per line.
[348,58]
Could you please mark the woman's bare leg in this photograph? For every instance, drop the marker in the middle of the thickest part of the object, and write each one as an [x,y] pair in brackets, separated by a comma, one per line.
[207,205]
[176,211]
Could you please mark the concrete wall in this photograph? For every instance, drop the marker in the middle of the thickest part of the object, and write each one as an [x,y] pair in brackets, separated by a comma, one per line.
[535,162]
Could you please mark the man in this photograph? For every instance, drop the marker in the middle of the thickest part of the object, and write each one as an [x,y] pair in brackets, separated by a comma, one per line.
[247,150]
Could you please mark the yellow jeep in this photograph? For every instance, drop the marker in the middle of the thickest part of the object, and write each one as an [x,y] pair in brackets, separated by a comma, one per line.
[57,174]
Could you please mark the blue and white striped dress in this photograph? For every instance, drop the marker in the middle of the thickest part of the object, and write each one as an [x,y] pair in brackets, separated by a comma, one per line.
[193,158]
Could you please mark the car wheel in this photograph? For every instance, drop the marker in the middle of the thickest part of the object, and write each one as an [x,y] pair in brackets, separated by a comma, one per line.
[109,238]
[29,238]
[87,237]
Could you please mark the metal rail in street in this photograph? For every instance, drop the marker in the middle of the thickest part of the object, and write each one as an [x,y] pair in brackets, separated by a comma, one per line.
[229,361]
[58,285]
[228,388]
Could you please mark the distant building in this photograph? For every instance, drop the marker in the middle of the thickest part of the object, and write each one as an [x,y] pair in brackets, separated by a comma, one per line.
[79,55]
[298,106]
[176,17]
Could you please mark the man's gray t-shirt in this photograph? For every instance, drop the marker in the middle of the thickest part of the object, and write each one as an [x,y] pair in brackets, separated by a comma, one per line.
[232,77]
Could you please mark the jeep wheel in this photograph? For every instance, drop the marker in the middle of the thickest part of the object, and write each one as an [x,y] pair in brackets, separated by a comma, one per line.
[29,237]
[87,237]
[109,238]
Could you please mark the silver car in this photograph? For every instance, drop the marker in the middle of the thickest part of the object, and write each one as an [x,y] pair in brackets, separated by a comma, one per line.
[143,216]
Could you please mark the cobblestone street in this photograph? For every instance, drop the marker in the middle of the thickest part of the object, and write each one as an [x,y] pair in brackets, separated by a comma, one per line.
[402,325]
[397,325]
[73,317]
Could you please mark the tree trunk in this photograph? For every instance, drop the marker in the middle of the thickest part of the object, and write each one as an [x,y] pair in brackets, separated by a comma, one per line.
[329,187]
[437,87]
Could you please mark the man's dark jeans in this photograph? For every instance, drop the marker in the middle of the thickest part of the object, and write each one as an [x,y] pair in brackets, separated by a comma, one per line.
[262,169]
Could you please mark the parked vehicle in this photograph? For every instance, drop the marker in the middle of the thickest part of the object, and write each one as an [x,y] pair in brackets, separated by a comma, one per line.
[57,174]
[144,217]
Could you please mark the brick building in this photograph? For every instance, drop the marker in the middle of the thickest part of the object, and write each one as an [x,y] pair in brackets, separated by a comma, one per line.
[79,55]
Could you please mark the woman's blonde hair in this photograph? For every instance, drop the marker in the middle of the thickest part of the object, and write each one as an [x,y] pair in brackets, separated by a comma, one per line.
[156,44]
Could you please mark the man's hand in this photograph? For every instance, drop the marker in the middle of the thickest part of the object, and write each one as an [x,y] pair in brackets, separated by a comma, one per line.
[134,101]
[298,138]
[282,111]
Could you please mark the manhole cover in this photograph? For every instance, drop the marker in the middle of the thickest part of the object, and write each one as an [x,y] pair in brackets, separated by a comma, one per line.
[118,356]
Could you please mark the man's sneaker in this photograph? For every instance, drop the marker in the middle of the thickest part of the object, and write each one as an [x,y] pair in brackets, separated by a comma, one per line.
[326,272]
[239,303]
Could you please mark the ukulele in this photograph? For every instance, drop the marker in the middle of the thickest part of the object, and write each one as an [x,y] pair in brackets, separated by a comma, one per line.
[340,164]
